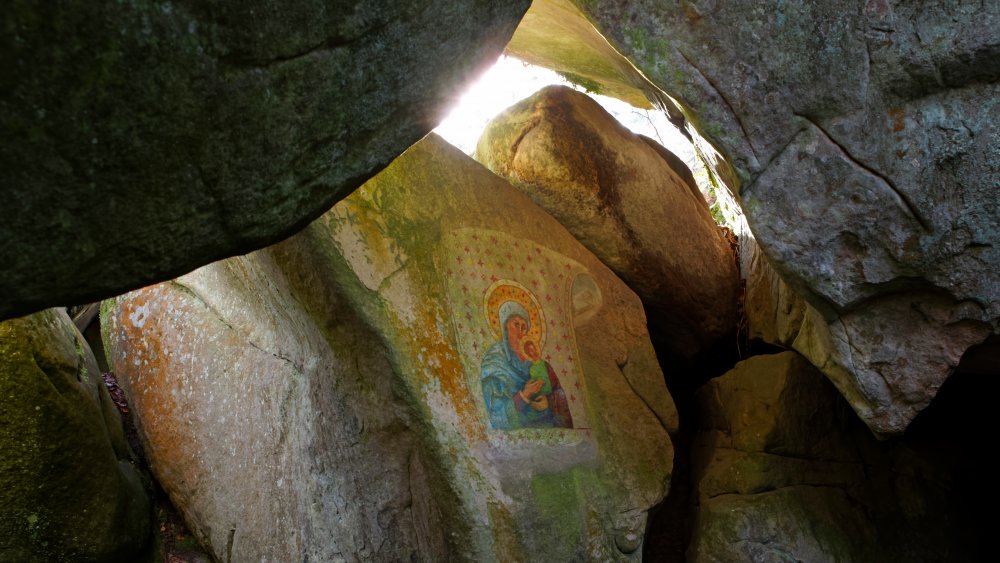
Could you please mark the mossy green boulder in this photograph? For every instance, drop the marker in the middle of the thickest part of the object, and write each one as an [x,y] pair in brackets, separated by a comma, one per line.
[69,491]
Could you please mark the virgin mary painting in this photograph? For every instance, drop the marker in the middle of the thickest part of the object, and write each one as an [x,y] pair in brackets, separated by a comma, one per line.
[521,390]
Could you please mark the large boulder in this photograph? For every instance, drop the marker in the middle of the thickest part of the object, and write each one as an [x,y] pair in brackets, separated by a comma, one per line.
[366,383]
[69,489]
[274,425]
[784,471]
[868,353]
[630,201]
[144,139]
[862,135]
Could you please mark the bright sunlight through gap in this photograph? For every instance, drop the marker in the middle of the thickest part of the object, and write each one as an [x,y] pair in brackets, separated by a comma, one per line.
[511,80]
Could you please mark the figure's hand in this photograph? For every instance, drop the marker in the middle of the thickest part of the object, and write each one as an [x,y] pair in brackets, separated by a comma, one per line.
[531,388]
[540,403]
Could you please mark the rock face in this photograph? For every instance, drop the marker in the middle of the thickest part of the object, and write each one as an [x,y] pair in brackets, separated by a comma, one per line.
[369,379]
[785,471]
[774,311]
[69,491]
[770,476]
[863,139]
[557,35]
[636,209]
[275,429]
[873,346]
[146,139]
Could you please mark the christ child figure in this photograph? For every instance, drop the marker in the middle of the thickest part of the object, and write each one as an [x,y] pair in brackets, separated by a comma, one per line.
[539,370]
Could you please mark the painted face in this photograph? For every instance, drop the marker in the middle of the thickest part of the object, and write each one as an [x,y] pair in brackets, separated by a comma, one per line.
[517,328]
[531,349]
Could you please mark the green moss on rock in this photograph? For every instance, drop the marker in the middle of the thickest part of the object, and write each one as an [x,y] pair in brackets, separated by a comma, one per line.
[557,500]
[65,495]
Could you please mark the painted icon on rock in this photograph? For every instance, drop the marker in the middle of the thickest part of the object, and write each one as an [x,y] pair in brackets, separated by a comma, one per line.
[514,307]
[520,388]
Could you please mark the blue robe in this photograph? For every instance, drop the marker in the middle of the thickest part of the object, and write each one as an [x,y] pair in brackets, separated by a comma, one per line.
[503,375]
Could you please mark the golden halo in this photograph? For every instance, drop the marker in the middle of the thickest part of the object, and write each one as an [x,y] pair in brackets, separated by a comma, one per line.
[502,291]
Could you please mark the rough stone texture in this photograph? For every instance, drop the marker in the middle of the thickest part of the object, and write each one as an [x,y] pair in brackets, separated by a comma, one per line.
[867,353]
[890,357]
[428,238]
[557,35]
[273,426]
[143,139]
[628,203]
[786,472]
[68,490]
[336,377]
[774,312]
[864,136]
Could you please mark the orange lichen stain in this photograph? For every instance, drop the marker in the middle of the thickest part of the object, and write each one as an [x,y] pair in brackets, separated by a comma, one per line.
[692,13]
[443,361]
[898,119]
[146,365]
